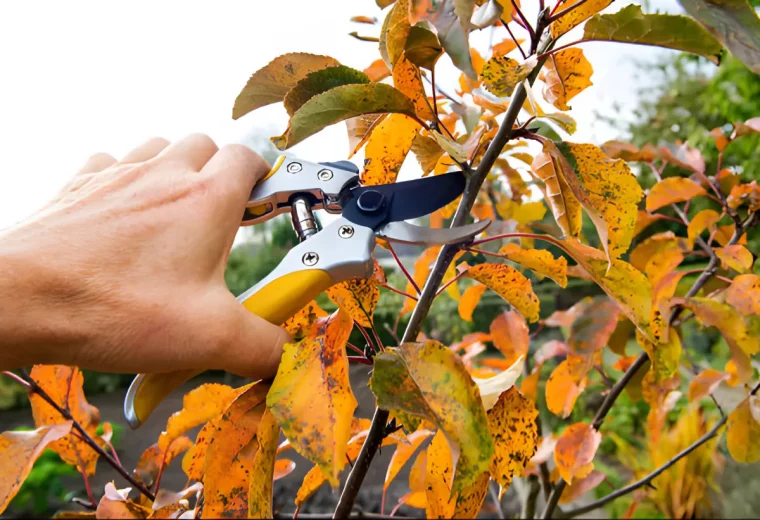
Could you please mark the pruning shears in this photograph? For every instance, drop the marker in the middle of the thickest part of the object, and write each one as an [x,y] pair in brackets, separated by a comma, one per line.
[342,250]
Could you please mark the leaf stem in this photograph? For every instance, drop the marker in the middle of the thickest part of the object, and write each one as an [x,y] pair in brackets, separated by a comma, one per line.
[446,285]
[528,27]
[34,387]
[16,378]
[560,48]
[403,269]
[398,291]
[354,348]
[517,43]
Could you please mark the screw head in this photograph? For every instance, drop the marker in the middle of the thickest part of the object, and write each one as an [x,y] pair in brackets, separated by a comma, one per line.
[310,259]
[294,167]
[346,232]
[325,175]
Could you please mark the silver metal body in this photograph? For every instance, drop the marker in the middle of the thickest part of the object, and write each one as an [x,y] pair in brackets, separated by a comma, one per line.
[323,184]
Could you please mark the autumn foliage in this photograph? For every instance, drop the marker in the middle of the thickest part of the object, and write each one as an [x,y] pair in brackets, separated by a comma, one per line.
[466,414]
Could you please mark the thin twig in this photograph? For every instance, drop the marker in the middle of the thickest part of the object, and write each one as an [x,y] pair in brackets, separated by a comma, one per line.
[391,332]
[527,25]
[517,43]
[360,359]
[403,269]
[398,291]
[646,480]
[446,285]
[366,336]
[377,429]
[34,387]
[560,48]
[16,378]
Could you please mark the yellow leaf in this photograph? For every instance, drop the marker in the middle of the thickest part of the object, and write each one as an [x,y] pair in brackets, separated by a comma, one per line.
[64,385]
[394,33]
[705,219]
[406,78]
[19,451]
[705,383]
[428,152]
[469,301]
[528,212]
[439,479]
[744,294]
[229,460]
[453,148]
[724,234]
[198,406]
[567,74]
[470,499]
[501,74]
[665,357]
[576,16]
[301,323]
[510,335]
[358,297]
[262,472]
[387,148]
[735,257]
[607,190]
[564,205]
[510,284]
[403,453]
[539,261]
[672,190]
[562,390]
[513,426]
[417,474]
[575,450]
[743,435]
[311,395]
[429,380]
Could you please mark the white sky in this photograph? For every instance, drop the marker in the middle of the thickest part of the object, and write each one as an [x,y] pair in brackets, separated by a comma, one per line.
[81,77]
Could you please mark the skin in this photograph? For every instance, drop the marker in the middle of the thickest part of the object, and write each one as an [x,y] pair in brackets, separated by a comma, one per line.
[124,270]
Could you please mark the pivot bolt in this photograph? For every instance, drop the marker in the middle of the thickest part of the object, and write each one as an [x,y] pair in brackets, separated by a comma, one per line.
[325,175]
[346,232]
[310,259]
[371,201]
[294,167]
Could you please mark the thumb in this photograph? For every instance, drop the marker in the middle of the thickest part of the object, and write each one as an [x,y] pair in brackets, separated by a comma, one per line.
[252,347]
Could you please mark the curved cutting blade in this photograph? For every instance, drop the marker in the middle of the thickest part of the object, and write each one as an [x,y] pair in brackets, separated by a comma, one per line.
[404,200]
[407,233]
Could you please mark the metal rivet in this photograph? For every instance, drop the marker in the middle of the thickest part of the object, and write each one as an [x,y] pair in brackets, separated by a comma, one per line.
[294,167]
[325,175]
[371,201]
[346,232]
[310,259]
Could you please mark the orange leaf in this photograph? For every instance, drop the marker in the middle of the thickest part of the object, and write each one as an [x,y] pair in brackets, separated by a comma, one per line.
[624,363]
[743,435]
[229,460]
[364,19]
[417,497]
[439,479]
[529,386]
[311,396]
[576,16]
[705,219]
[724,234]
[565,206]
[549,350]
[562,390]
[745,194]
[152,459]
[283,468]
[262,472]
[629,152]
[469,300]
[510,284]
[589,333]
[744,294]
[510,335]
[575,450]
[672,190]
[567,73]
[116,504]
[567,317]
[736,257]
[643,220]
[64,386]
[198,406]
[512,422]
[387,148]
[406,78]
[403,453]
[705,383]
[541,262]
[505,46]
[19,451]
[358,297]
[470,499]
[582,486]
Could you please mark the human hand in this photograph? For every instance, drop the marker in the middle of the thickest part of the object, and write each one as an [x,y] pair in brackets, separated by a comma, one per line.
[124,270]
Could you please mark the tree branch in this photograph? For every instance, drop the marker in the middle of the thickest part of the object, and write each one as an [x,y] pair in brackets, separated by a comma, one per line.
[445,257]
[646,480]
[35,388]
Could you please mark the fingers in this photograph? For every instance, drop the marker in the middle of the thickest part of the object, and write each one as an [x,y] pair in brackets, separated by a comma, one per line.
[235,170]
[146,151]
[97,163]
[194,151]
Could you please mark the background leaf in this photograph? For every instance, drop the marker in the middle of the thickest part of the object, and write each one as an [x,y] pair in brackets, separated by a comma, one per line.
[321,81]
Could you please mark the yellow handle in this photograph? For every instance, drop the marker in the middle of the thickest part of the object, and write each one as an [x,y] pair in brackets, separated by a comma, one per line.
[275,302]
[257,211]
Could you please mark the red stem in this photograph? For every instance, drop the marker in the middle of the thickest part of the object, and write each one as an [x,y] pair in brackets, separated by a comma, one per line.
[398,291]
[17,379]
[362,360]
[511,34]
[354,348]
[561,47]
[87,486]
[366,337]
[403,269]
[453,280]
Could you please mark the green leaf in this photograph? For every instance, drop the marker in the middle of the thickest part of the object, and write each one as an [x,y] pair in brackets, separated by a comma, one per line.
[339,104]
[429,380]
[422,47]
[630,25]
[271,83]
[734,22]
[453,32]
[321,81]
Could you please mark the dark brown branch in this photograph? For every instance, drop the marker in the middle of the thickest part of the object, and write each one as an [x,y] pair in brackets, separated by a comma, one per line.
[475,180]
[34,387]
[646,480]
